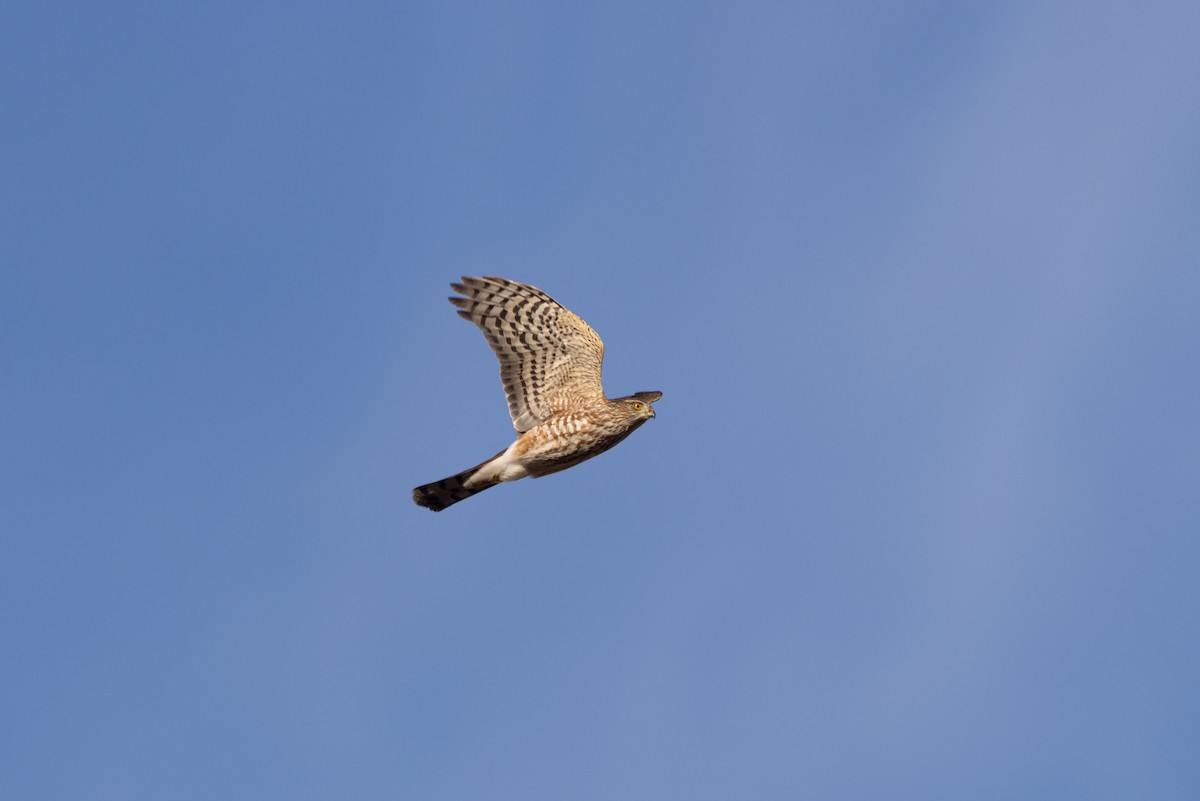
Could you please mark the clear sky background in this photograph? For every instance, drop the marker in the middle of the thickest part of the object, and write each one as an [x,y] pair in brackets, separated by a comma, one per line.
[918,517]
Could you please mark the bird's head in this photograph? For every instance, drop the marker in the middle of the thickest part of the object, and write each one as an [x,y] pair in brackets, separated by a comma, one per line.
[639,403]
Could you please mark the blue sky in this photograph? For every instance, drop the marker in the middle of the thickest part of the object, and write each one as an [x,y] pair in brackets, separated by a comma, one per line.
[917,519]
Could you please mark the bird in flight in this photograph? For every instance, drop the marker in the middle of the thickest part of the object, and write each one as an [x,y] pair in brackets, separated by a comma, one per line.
[550,363]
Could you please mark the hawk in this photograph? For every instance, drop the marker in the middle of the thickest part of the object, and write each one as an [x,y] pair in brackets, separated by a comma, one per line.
[550,363]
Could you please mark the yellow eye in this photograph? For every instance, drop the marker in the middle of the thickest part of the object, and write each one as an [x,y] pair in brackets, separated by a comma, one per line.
[637,406]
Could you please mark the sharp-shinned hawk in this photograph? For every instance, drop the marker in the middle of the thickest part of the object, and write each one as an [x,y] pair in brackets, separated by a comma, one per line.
[550,363]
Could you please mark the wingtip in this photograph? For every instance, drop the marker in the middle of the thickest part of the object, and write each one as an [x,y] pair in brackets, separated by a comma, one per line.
[425,500]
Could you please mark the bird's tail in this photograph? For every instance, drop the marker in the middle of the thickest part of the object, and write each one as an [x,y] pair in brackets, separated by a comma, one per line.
[449,491]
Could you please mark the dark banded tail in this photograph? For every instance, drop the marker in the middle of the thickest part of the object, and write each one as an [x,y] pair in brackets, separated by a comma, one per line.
[449,491]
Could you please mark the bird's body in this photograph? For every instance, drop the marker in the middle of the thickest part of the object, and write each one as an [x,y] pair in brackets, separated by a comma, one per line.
[550,362]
